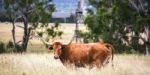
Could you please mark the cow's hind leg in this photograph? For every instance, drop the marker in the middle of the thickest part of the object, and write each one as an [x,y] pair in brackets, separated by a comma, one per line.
[96,63]
[106,61]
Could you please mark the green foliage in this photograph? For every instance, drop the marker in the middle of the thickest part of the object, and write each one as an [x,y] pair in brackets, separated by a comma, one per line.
[42,15]
[2,47]
[113,20]
[87,37]
[54,31]
[99,23]
[4,17]
[47,33]
[9,47]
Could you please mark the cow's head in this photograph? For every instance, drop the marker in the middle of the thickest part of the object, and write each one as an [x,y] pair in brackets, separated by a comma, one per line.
[57,47]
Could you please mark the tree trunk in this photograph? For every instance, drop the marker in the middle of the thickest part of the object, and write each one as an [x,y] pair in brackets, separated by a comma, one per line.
[147,28]
[13,34]
[26,35]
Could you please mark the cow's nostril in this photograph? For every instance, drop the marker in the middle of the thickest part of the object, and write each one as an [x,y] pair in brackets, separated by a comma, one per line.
[55,57]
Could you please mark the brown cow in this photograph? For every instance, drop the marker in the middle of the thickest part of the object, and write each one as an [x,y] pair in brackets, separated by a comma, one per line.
[92,54]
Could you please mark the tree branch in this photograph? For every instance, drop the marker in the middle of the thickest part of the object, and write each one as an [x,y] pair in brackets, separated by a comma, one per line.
[134,5]
[133,37]
[20,26]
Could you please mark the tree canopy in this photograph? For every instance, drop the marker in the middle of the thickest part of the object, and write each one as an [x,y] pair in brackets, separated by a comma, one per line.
[33,14]
[121,22]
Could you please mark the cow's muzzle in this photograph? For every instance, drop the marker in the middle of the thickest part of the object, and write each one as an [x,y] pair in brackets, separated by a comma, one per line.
[56,57]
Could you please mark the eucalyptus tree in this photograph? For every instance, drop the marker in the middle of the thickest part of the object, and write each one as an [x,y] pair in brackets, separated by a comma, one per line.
[115,18]
[33,14]
[136,15]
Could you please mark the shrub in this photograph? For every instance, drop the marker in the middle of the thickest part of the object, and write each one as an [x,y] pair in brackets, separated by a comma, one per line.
[2,47]
[9,47]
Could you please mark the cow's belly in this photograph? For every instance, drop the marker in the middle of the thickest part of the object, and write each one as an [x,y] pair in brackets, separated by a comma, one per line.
[79,59]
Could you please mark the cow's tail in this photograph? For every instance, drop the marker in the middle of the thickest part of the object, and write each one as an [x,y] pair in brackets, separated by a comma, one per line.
[110,47]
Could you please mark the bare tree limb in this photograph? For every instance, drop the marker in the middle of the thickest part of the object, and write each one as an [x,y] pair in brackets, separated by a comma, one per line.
[133,37]
[20,26]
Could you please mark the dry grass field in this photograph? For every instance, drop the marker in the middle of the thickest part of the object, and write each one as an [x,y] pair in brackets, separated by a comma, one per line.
[5,31]
[44,63]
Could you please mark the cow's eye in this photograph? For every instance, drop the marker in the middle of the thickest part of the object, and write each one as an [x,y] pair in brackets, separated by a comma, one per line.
[50,48]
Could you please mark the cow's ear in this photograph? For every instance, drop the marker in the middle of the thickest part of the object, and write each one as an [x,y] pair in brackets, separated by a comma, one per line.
[51,47]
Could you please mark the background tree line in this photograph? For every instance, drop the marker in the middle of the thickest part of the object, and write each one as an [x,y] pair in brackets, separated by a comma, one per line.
[123,23]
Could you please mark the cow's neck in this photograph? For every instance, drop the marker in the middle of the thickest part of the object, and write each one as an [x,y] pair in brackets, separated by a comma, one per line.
[64,55]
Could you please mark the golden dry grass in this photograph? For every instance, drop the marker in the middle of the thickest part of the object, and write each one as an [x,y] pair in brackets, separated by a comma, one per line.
[5,32]
[44,64]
